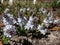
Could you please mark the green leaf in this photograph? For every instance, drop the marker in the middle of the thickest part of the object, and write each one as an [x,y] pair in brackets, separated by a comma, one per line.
[5,39]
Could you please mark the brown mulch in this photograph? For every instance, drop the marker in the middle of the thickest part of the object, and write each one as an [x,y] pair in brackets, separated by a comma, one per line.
[56,28]
[1,42]
[1,24]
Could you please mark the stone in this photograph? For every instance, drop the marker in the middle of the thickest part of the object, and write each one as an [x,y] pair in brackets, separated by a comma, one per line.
[2,1]
[34,2]
[10,2]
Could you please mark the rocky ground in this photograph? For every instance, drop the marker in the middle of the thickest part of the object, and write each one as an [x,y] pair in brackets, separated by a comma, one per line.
[51,39]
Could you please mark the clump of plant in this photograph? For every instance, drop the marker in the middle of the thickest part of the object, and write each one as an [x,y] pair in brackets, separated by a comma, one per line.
[21,31]
[55,4]
[5,40]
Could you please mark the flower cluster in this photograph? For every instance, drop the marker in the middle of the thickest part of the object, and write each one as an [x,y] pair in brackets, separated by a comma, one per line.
[29,24]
